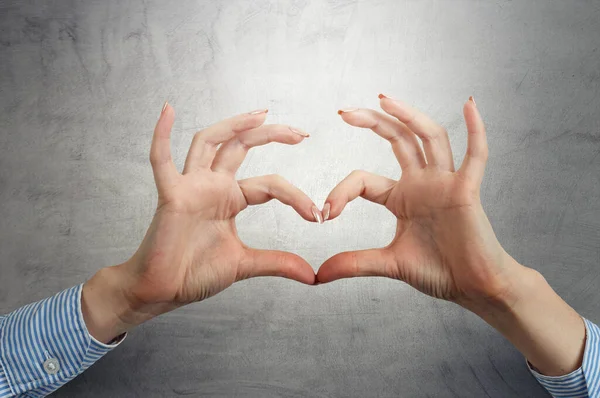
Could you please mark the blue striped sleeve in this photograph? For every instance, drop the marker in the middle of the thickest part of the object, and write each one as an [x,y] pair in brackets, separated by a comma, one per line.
[44,345]
[583,382]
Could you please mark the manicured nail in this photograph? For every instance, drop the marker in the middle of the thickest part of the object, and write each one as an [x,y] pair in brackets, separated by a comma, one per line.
[325,211]
[299,132]
[258,111]
[381,96]
[164,107]
[347,110]
[472,100]
[317,214]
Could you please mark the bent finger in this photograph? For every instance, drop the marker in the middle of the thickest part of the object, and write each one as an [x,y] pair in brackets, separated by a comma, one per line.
[205,142]
[434,137]
[259,190]
[231,154]
[369,186]
[404,143]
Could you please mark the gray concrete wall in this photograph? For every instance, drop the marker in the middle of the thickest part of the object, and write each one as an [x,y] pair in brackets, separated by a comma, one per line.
[82,83]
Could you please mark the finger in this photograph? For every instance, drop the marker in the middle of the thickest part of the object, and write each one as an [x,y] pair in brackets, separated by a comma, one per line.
[205,142]
[232,153]
[372,262]
[275,263]
[404,143]
[473,166]
[358,183]
[434,137]
[259,190]
[160,152]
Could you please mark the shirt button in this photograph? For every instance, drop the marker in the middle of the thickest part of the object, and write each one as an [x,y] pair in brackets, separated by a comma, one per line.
[51,366]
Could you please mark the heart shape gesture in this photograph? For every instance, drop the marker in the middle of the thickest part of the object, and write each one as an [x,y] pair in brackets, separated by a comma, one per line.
[444,244]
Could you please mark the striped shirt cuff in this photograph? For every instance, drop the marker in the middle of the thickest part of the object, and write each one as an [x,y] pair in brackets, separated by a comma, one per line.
[43,345]
[583,382]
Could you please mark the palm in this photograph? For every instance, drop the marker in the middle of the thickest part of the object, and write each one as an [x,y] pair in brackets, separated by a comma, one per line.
[191,250]
[205,251]
[438,210]
[416,246]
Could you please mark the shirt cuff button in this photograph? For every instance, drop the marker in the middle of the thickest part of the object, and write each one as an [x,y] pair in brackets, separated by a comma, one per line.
[51,366]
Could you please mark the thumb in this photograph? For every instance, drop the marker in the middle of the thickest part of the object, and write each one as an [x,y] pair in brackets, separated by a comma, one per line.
[275,263]
[372,262]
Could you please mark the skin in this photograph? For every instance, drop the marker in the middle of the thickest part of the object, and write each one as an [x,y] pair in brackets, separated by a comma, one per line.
[444,245]
[191,250]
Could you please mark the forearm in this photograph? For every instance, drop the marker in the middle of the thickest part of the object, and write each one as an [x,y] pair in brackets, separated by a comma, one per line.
[549,333]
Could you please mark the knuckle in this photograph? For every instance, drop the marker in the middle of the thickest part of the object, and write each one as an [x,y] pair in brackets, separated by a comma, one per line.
[275,179]
[280,259]
[436,134]
[466,189]
[353,259]
[156,160]
[407,117]
[442,132]
[485,153]
[241,141]
[274,184]
[479,153]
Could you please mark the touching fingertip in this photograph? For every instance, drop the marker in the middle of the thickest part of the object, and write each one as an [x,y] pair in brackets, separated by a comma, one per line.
[325,211]
[317,214]
[472,100]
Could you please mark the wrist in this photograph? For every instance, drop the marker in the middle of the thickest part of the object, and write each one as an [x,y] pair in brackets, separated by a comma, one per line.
[540,324]
[503,294]
[107,308]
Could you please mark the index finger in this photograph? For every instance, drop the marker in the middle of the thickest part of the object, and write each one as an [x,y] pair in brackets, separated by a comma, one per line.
[404,143]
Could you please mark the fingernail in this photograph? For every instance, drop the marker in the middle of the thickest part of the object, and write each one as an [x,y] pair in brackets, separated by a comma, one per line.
[347,110]
[317,214]
[381,96]
[164,107]
[325,211]
[302,133]
[472,100]
[258,111]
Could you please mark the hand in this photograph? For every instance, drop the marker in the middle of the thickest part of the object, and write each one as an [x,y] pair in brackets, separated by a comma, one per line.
[191,250]
[444,244]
